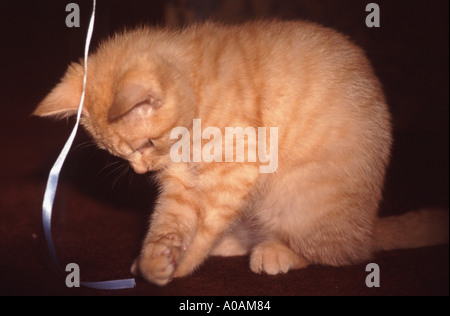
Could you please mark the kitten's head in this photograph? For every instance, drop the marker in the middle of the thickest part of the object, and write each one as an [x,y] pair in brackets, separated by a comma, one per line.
[133,100]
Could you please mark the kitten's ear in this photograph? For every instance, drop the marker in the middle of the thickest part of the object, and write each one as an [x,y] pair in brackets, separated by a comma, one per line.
[64,99]
[133,99]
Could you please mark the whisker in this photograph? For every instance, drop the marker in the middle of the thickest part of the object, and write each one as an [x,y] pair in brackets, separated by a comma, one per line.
[102,172]
[84,145]
[130,181]
[109,165]
[120,176]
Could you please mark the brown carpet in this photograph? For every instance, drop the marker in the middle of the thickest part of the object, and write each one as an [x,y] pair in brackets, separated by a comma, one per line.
[101,215]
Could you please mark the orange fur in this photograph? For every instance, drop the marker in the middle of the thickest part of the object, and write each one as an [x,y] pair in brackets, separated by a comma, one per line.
[334,141]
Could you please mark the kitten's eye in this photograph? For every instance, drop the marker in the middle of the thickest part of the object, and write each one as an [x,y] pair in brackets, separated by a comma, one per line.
[148,144]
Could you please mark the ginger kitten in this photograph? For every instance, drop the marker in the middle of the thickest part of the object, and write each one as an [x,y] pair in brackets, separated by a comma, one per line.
[318,206]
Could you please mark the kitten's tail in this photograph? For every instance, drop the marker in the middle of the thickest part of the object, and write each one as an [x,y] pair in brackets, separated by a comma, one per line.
[412,230]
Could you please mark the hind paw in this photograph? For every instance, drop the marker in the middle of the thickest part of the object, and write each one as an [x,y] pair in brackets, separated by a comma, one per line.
[274,258]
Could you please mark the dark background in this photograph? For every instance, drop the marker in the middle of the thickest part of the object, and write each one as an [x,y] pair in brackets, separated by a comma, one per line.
[101,209]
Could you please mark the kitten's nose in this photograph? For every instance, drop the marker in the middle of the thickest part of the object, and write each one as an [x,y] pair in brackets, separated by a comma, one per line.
[139,169]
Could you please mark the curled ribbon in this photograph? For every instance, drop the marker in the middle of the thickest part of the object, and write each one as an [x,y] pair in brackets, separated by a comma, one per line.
[52,182]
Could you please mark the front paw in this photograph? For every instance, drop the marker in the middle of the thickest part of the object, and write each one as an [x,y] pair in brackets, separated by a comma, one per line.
[159,259]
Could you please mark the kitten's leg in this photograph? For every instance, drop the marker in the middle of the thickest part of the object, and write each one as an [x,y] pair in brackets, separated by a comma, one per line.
[323,217]
[173,225]
[273,257]
[188,220]
[226,189]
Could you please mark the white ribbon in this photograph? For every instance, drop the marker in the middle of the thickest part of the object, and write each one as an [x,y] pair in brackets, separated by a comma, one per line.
[52,182]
